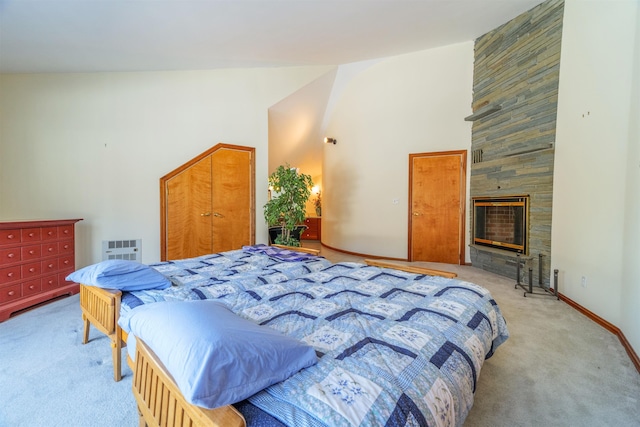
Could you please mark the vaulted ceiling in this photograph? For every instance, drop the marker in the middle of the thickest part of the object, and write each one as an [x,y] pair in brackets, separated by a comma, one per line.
[135,35]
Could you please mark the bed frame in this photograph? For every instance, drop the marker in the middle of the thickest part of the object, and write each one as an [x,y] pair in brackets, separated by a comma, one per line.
[101,307]
[298,249]
[410,268]
[160,402]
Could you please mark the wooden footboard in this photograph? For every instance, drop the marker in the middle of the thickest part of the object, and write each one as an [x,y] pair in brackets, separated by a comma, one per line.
[160,402]
[101,308]
[410,268]
[298,249]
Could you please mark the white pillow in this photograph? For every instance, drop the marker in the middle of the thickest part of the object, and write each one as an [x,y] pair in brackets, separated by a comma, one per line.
[120,274]
[215,356]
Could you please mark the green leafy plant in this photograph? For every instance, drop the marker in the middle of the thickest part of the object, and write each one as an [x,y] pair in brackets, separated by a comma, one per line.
[287,207]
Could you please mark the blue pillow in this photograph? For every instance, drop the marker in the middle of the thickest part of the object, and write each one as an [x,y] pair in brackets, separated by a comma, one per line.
[215,356]
[120,274]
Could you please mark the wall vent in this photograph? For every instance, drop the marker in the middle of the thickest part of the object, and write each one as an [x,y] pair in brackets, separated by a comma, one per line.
[122,249]
[477,155]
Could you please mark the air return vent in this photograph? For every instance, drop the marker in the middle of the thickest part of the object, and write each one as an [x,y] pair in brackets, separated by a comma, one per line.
[122,249]
[477,156]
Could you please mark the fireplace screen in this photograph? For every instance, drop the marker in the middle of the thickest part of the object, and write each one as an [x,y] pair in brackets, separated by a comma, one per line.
[501,222]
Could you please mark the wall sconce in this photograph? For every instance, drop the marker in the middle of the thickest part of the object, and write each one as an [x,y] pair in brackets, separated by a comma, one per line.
[330,141]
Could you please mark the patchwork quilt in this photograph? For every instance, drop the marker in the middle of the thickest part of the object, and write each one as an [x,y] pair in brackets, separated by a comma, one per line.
[394,348]
[216,275]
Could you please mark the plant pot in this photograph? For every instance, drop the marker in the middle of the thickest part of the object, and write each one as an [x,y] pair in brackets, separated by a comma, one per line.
[275,231]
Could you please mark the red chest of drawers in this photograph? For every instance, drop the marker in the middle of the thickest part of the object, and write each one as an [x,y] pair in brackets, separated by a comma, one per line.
[314,229]
[35,258]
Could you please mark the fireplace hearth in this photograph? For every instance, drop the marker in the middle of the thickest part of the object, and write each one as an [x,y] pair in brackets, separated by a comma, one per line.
[501,222]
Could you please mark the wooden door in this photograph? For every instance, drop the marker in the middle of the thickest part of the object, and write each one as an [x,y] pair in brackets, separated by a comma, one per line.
[207,205]
[437,206]
[231,199]
[188,196]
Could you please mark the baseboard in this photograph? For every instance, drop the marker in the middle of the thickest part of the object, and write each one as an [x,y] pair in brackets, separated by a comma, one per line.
[608,326]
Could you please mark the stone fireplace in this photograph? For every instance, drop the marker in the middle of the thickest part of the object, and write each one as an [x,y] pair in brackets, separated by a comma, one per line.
[515,95]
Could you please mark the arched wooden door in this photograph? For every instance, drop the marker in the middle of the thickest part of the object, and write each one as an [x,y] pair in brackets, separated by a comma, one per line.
[437,197]
[207,205]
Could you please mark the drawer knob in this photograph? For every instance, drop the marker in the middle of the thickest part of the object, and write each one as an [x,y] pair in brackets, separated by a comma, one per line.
[31,252]
[32,287]
[50,249]
[10,255]
[31,234]
[50,266]
[10,236]
[11,293]
[10,275]
[31,270]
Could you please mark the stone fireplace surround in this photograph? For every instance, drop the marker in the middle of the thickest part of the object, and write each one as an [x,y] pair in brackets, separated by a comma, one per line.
[516,74]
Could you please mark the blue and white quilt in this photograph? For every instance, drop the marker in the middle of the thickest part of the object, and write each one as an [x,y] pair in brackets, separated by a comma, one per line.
[395,348]
[216,275]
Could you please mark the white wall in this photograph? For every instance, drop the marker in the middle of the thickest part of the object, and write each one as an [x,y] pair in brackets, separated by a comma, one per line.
[595,228]
[94,146]
[413,103]
[630,323]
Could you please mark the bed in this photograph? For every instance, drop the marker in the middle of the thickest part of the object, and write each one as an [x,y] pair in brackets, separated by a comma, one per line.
[393,347]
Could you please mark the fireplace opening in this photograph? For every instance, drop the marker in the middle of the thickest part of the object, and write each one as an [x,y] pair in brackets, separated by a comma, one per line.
[501,222]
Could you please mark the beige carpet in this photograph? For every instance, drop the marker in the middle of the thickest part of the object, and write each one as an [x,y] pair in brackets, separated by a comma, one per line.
[558,368]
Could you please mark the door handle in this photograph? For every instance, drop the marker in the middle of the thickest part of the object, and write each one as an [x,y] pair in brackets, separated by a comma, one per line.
[218,215]
[206,214]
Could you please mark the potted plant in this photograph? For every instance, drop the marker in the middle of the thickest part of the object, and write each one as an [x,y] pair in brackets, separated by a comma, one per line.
[287,207]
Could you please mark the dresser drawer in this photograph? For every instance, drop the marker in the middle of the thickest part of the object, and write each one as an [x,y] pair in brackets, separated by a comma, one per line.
[66,247]
[49,249]
[31,235]
[10,274]
[49,266]
[66,262]
[31,270]
[49,233]
[310,235]
[49,282]
[10,256]
[31,252]
[65,232]
[312,224]
[10,237]
[10,293]
[31,287]
[62,278]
